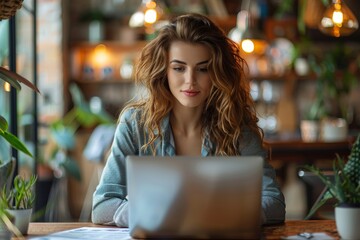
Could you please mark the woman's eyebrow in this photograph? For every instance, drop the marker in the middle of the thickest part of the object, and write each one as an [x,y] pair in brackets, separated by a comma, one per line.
[203,62]
[182,62]
[177,61]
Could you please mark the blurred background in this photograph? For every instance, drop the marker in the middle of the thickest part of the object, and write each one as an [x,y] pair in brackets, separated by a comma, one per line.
[303,63]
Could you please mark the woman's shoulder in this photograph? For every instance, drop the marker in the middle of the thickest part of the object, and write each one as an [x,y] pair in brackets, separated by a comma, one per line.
[130,114]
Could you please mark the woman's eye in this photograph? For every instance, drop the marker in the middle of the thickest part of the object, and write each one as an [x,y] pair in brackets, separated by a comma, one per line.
[178,69]
[203,69]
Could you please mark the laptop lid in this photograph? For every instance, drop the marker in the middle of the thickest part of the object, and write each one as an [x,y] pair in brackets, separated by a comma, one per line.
[194,197]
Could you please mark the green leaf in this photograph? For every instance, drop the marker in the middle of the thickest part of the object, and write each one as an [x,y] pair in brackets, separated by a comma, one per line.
[13,78]
[77,96]
[63,136]
[21,196]
[316,207]
[15,142]
[3,124]
[86,118]
[72,168]
[11,81]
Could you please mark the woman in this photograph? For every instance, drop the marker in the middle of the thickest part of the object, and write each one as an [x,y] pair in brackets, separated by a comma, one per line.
[198,103]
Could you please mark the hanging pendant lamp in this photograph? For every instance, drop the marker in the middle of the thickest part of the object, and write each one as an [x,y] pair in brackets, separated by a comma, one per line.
[148,13]
[338,20]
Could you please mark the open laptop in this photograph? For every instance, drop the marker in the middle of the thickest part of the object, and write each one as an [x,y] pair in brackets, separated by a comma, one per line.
[194,197]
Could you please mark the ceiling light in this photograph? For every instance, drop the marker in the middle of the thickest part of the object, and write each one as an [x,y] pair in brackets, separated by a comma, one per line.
[338,20]
[246,33]
[147,14]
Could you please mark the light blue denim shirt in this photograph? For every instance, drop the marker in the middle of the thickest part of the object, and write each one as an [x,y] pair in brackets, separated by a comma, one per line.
[109,199]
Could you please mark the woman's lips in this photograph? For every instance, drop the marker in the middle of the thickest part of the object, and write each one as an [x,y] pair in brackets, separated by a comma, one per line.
[190,93]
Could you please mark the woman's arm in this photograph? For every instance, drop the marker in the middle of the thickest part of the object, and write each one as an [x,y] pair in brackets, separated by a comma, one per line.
[273,202]
[109,199]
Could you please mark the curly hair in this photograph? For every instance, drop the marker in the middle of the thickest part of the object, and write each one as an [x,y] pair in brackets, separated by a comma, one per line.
[228,109]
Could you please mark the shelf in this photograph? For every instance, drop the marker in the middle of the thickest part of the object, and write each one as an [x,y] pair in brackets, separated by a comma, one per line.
[90,64]
[284,77]
[295,150]
[105,81]
[112,45]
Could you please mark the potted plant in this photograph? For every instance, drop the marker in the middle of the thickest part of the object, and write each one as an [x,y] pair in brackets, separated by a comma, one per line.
[335,71]
[345,189]
[7,166]
[19,200]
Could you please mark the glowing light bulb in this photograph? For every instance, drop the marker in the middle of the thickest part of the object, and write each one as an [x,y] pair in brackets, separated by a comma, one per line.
[148,13]
[137,19]
[100,56]
[338,20]
[247,45]
[150,16]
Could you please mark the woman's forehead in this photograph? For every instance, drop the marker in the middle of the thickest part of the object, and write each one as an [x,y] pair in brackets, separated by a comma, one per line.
[188,52]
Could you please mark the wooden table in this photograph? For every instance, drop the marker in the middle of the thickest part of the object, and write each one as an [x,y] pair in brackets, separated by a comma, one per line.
[270,232]
[295,150]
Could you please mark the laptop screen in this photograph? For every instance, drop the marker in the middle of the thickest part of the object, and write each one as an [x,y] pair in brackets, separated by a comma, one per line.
[194,196]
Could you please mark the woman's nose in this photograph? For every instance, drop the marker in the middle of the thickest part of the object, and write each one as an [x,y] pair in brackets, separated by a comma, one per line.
[190,77]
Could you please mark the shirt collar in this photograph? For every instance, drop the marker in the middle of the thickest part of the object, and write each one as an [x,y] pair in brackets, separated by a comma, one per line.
[169,143]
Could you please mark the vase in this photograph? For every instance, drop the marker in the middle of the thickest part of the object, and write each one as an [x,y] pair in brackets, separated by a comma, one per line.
[22,219]
[309,130]
[96,31]
[334,130]
[347,222]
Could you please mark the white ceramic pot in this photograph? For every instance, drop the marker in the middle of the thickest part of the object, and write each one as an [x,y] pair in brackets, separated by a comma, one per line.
[309,130]
[22,219]
[334,129]
[347,222]
[96,31]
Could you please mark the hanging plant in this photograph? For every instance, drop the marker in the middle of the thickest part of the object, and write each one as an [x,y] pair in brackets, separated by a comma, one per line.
[8,8]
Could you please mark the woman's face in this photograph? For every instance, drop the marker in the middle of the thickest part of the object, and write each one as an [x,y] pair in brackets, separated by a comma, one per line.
[188,74]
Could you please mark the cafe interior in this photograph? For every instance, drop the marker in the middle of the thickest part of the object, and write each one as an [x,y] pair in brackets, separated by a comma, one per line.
[303,59]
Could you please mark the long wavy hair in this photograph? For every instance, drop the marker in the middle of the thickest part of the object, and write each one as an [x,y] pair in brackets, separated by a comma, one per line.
[229,108]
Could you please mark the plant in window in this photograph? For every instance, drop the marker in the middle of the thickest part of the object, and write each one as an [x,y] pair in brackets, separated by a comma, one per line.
[13,79]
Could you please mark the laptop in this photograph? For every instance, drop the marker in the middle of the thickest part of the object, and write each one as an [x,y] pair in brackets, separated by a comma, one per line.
[194,197]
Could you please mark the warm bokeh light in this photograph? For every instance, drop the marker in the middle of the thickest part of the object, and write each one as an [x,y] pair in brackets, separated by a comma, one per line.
[257,46]
[247,45]
[7,87]
[137,19]
[150,16]
[100,56]
[148,13]
[338,20]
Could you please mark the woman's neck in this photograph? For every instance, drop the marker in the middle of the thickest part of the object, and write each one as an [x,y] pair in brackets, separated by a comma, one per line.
[186,121]
[186,127]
